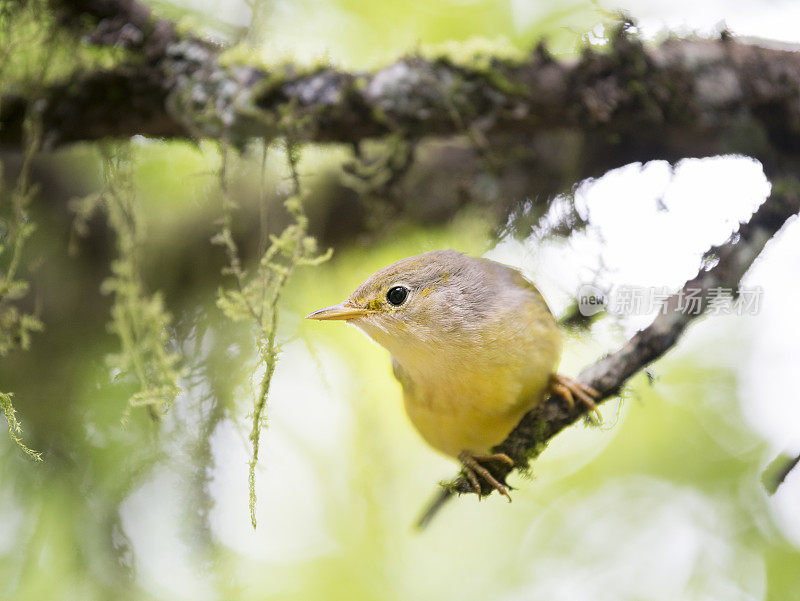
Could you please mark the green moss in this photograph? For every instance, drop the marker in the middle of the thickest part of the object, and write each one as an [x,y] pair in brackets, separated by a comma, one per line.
[481,58]
[257,290]
[16,228]
[475,53]
[138,319]
[541,430]
[14,427]
[250,55]
[34,51]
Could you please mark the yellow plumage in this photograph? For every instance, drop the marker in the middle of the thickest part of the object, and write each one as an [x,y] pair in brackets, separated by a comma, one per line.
[473,345]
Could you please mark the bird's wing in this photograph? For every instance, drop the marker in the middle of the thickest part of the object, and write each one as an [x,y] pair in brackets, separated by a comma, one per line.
[402,376]
[520,280]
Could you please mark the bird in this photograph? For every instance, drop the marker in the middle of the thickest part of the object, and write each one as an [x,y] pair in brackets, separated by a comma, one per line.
[474,346]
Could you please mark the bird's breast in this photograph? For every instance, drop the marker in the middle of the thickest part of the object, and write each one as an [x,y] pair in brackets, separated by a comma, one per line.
[469,401]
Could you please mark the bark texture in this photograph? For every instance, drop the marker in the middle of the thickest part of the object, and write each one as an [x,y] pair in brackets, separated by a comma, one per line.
[627,102]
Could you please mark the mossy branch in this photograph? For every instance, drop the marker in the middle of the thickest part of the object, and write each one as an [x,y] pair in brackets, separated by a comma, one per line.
[625,102]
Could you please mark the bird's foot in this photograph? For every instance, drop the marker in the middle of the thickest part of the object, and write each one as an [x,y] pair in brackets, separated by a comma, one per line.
[471,462]
[569,389]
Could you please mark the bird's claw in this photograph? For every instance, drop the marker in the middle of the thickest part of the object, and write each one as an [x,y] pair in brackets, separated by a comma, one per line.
[471,463]
[569,389]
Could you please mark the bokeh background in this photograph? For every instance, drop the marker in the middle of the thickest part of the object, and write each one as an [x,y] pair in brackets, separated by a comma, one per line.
[663,501]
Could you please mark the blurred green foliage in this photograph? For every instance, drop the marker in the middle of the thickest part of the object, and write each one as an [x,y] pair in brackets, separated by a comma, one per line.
[17,324]
[356,34]
[35,51]
[138,319]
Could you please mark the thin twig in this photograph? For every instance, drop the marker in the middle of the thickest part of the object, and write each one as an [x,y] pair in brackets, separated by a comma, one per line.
[777,472]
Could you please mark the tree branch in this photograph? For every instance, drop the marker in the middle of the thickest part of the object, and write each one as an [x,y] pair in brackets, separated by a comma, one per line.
[730,262]
[777,472]
[684,98]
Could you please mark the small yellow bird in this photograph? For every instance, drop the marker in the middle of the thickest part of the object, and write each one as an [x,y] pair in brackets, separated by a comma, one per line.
[473,345]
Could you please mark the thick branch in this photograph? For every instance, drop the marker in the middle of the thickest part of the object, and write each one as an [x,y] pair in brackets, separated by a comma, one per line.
[683,98]
[730,262]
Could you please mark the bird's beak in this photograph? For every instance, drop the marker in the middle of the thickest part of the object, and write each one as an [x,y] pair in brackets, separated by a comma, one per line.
[340,311]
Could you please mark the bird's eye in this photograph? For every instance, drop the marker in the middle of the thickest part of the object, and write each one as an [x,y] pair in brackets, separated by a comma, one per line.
[397,295]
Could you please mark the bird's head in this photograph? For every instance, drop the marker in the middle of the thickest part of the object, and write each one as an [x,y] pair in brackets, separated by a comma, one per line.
[422,303]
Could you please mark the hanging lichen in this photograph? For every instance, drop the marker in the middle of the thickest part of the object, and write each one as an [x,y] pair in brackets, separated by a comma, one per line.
[257,291]
[14,427]
[138,319]
[17,325]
